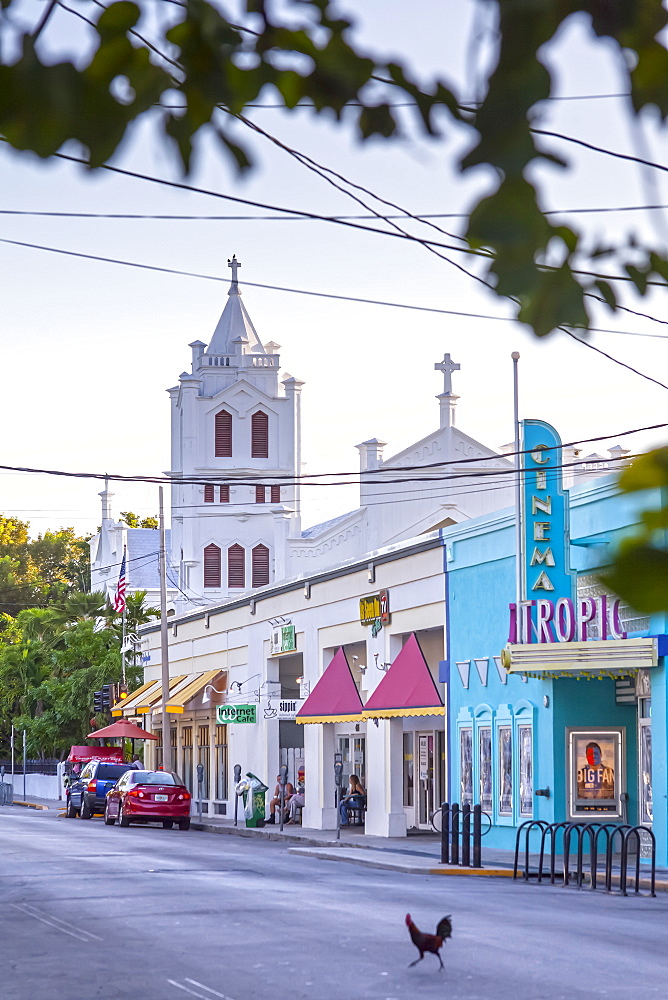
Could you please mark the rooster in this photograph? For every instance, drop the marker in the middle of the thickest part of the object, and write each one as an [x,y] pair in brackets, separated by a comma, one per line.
[429,942]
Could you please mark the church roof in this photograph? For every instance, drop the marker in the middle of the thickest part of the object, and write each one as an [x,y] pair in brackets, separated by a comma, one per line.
[318,529]
[234,323]
[143,548]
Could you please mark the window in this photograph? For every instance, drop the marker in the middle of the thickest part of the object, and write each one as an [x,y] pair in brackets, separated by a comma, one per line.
[236,570]
[526,770]
[224,494]
[260,494]
[212,566]
[260,563]
[485,767]
[466,767]
[223,435]
[275,494]
[259,435]
[505,771]
[203,743]
[208,494]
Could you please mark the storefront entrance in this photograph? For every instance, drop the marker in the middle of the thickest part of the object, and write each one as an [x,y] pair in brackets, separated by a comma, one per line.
[424,776]
[353,756]
[645,808]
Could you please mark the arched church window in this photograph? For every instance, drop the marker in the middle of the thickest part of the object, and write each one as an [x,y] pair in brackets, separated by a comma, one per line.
[259,435]
[260,563]
[223,434]
[236,566]
[212,566]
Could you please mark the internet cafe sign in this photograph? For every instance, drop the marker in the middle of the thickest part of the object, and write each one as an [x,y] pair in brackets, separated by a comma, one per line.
[229,714]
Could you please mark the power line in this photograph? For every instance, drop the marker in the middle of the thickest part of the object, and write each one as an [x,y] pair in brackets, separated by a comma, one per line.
[600,149]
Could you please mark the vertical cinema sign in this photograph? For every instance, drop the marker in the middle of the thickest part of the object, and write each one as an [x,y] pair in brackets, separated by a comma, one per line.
[544,515]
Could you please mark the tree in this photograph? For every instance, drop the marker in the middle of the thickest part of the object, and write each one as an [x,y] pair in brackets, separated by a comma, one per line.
[134,521]
[552,273]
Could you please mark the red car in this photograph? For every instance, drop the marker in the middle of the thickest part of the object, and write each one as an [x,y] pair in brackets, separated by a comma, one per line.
[149,797]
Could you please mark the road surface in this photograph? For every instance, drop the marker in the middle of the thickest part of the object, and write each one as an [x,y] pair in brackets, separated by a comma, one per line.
[143,913]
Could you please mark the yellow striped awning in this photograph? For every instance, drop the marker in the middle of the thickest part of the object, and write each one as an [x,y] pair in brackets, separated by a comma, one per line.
[152,697]
[198,682]
[120,708]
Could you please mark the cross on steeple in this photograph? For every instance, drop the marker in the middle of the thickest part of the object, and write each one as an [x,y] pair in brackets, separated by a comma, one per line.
[447,366]
[235,265]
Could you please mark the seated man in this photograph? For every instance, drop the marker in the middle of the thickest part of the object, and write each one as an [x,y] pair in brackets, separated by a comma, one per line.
[296,802]
[289,792]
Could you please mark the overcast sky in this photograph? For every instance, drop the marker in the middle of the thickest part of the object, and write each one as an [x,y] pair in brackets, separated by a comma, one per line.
[89,348]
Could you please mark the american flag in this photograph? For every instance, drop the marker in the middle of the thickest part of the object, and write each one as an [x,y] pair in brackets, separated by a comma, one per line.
[119,596]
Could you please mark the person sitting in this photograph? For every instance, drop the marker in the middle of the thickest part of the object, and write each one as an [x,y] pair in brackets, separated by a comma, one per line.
[276,801]
[296,802]
[355,798]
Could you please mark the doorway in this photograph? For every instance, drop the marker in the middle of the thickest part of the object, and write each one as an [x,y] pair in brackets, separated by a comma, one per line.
[427,774]
[353,758]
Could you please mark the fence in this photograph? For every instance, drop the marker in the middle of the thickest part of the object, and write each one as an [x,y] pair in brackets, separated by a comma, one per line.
[587,835]
[461,839]
[42,779]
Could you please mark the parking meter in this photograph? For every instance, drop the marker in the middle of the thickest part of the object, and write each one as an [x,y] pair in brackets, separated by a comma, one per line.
[237,779]
[338,777]
[282,782]
[200,780]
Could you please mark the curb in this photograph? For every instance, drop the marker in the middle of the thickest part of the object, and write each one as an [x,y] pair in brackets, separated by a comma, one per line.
[262,833]
[29,805]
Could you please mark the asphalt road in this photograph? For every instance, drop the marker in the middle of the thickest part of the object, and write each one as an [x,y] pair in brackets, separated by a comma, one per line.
[90,911]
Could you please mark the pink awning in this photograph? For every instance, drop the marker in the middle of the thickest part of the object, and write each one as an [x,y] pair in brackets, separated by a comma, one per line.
[407,688]
[335,697]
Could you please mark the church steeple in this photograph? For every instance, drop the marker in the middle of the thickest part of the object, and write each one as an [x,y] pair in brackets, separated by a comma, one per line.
[447,398]
[234,322]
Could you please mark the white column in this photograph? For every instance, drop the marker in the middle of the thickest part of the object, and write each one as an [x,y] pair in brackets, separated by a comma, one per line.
[385,815]
[319,811]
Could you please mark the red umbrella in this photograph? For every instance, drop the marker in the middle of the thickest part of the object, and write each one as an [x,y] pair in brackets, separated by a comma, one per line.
[122,730]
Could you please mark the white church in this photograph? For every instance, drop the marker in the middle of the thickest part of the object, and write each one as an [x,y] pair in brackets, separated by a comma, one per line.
[235,471]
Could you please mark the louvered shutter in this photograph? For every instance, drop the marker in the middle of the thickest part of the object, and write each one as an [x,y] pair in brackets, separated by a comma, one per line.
[259,435]
[212,566]
[224,495]
[276,494]
[223,435]
[260,494]
[208,493]
[260,566]
[236,570]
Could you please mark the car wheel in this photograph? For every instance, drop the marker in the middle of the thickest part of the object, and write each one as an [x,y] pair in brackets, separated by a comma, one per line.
[85,808]
[122,818]
[184,824]
[70,811]
[108,819]
[167,824]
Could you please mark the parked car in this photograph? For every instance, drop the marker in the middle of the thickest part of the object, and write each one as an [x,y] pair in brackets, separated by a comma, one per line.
[77,759]
[149,797]
[88,793]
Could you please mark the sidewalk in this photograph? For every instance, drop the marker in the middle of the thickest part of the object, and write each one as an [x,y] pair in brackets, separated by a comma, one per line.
[417,854]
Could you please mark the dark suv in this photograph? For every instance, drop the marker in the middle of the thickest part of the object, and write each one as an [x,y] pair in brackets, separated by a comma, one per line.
[88,794]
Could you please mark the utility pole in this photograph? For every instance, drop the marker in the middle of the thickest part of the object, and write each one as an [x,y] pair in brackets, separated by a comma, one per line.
[519,568]
[164,642]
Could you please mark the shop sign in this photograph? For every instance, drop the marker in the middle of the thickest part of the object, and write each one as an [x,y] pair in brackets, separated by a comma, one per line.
[565,620]
[288,708]
[544,513]
[229,714]
[283,639]
[375,608]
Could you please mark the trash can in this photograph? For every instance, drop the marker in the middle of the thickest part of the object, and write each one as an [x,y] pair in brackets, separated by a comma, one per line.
[254,801]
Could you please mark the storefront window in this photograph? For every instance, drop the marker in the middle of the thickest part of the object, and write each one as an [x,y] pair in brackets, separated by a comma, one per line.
[645,740]
[505,771]
[485,768]
[526,770]
[203,758]
[466,767]
[408,769]
[221,762]
[187,738]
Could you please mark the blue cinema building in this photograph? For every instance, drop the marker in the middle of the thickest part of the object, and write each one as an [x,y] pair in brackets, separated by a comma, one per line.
[557,691]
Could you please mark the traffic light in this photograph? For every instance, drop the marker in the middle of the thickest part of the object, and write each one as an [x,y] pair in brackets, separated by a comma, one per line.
[122,692]
[107,696]
[97,702]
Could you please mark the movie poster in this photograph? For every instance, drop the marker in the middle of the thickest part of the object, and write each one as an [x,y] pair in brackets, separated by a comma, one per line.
[596,772]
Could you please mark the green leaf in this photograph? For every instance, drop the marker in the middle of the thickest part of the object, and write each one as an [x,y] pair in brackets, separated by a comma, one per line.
[556,300]
[606,291]
[639,575]
[650,471]
[377,121]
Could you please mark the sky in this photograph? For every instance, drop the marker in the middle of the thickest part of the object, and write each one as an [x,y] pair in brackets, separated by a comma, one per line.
[89,348]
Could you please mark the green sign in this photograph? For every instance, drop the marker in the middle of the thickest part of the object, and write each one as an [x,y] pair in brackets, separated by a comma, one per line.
[228,714]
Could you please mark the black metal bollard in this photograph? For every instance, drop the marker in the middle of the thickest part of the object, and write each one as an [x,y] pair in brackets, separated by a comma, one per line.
[445,833]
[466,835]
[477,836]
[454,854]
